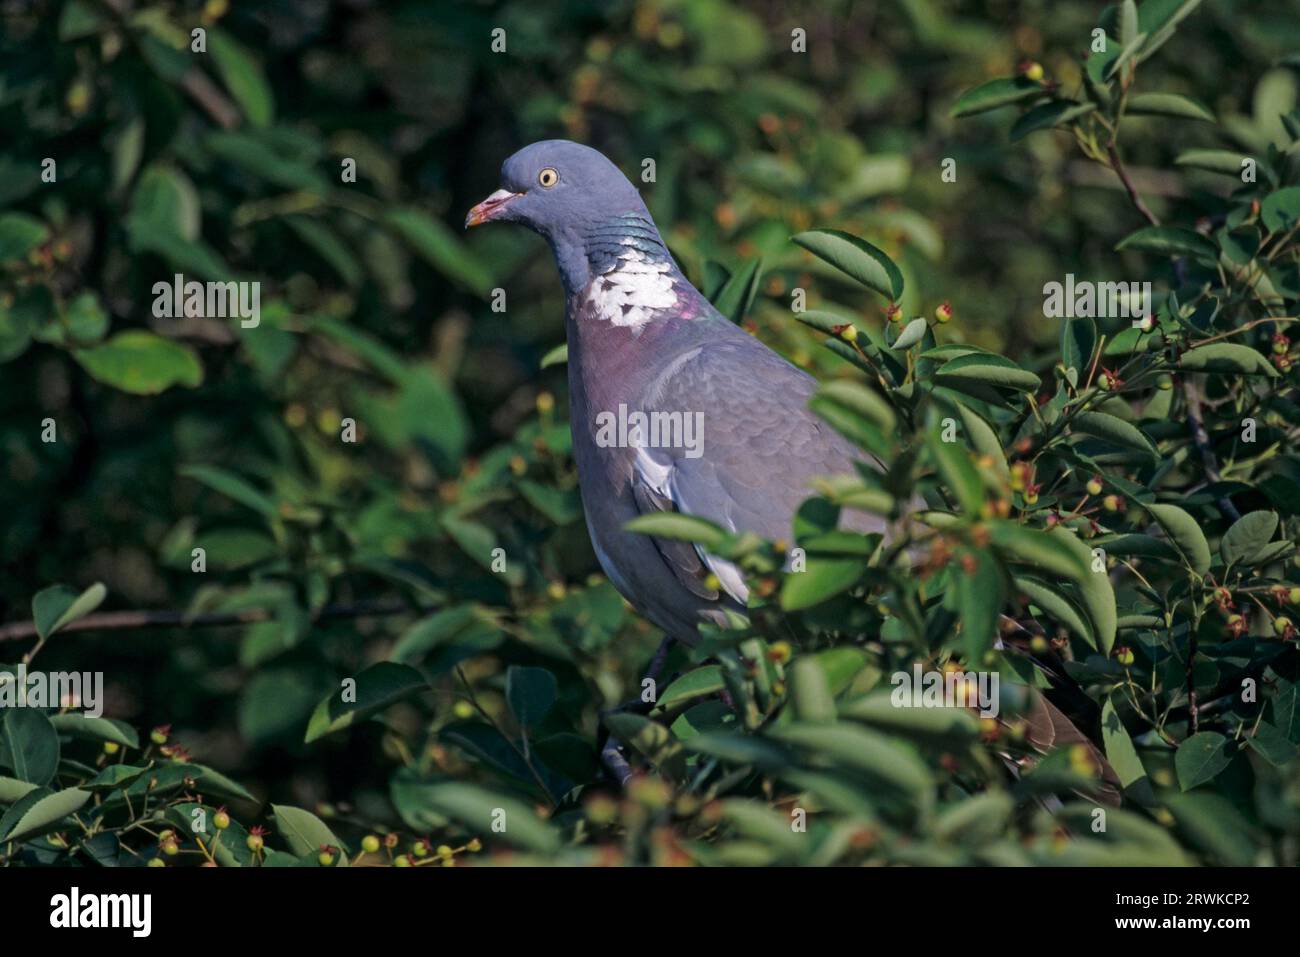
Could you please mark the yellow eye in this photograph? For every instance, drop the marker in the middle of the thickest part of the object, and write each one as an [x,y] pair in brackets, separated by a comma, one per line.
[548,177]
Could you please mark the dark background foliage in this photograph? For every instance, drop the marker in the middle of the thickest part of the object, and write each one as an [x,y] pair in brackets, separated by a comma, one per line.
[376,307]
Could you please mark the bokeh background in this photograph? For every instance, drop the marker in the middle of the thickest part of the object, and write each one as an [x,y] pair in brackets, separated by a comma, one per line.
[376,306]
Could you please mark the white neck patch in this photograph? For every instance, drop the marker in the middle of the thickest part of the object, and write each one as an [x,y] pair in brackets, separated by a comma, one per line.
[630,293]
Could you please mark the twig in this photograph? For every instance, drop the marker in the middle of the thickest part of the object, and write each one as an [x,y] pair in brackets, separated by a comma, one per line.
[209,96]
[1117,164]
[123,620]
[1192,399]
[521,754]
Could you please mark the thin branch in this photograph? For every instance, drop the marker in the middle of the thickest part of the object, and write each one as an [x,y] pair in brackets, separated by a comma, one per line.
[1117,164]
[1191,398]
[123,620]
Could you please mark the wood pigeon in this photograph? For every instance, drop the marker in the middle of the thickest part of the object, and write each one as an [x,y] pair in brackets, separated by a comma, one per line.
[643,339]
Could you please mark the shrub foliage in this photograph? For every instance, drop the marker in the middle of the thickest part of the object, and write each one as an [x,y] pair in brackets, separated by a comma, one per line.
[1108,518]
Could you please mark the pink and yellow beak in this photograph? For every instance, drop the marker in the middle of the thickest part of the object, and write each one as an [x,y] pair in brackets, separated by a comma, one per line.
[490,208]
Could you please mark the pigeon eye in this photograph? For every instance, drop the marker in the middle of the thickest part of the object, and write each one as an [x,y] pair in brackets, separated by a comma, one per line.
[548,177]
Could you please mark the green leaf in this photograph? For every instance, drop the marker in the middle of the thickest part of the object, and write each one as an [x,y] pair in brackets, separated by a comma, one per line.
[531,693]
[560,505]
[737,294]
[979,599]
[1247,536]
[763,826]
[164,207]
[217,784]
[1170,241]
[1045,116]
[697,683]
[141,363]
[1127,342]
[1185,532]
[841,665]
[1158,19]
[1281,210]
[305,833]
[885,760]
[463,623]
[478,542]
[983,438]
[478,809]
[1129,51]
[855,257]
[20,234]
[975,820]
[1215,824]
[1213,161]
[1226,357]
[12,790]
[114,777]
[1095,590]
[58,606]
[815,517]
[857,413]
[329,246]
[985,369]
[377,687]
[1129,840]
[86,319]
[996,93]
[810,693]
[1078,341]
[1201,758]
[233,487]
[270,156]
[1167,104]
[822,578]
[953,462]
[1128,22]
[1038,548]
[1057,606]
[1115,430]
[739,749]
[911,334]
[79,19]
[41,812]
[243,77]
[1285,708]
[1120,753]
[678,527]
[937,725]
[555,357]
[78,725]
[1270,743]
[441,248]
[29,745]
[233,548]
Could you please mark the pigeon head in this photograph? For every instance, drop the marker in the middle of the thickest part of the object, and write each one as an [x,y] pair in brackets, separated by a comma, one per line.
[579,201]
[559,189]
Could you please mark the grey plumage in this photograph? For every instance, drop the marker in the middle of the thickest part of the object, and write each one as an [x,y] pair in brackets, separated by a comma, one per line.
[642,337]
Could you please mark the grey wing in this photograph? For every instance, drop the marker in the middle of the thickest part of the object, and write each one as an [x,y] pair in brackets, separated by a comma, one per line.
[760,449]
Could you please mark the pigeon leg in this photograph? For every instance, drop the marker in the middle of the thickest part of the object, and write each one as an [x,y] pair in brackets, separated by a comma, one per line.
[611,753]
